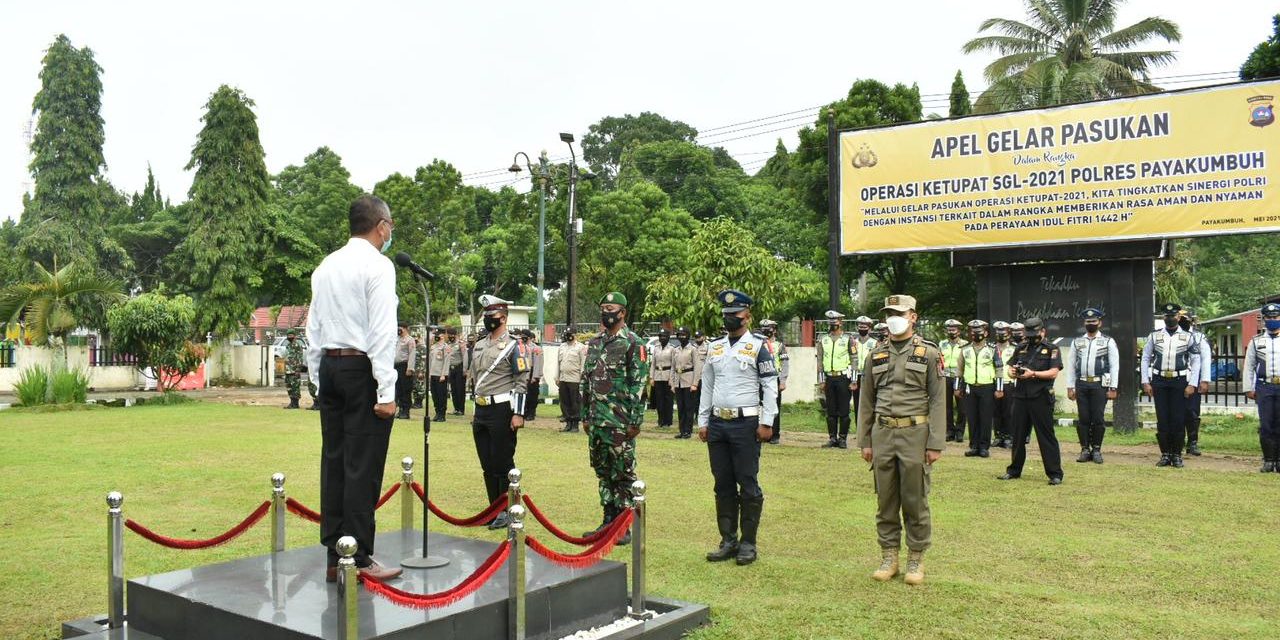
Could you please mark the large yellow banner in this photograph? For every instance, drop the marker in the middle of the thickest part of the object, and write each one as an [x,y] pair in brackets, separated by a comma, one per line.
[1188,163]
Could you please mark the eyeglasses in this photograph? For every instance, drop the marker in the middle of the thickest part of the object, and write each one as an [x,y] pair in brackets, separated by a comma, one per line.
[389,224]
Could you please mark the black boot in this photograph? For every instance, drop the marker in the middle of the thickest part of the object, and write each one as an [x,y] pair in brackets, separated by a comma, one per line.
[1193,446]
[604,523]
[293,404]
[751,508]
[1096,454]
[1176,460]
[1086,454]
[1275,455]
[843,442]
[1268,456]
[727,521]
[1193,437]
[404,413]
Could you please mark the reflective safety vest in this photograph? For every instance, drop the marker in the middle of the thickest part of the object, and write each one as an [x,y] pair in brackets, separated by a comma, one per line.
[1005,355]
[951,356]
[864,349]
[835,354]
[979,365]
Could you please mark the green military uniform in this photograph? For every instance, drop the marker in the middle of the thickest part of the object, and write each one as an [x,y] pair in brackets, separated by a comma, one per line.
[295,365]
[613,379]
[901,415]
[419,373]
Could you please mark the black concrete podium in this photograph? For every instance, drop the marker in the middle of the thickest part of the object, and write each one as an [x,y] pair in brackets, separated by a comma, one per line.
[284,596]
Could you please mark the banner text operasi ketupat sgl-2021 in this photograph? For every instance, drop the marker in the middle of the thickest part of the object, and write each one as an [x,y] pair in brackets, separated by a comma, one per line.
[1186,163]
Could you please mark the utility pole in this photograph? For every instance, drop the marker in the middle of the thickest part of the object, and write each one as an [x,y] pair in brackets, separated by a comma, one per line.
[833,212]
[574,229]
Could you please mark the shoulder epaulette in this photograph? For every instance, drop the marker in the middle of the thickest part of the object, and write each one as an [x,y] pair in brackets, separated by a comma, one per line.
[927,342]
[758,335]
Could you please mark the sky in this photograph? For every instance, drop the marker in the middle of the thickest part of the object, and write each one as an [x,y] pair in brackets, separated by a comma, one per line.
[392,85]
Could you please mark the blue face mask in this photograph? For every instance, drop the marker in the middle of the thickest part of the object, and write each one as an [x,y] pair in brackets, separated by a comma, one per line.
[386,246]
[1272,325]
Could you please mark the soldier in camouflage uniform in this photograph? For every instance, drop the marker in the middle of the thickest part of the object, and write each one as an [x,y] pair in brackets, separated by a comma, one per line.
[295,364]
[613,378]
[419,373]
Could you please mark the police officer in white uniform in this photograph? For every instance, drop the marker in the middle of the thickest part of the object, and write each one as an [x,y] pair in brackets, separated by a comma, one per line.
[1170,374]
[1092,367]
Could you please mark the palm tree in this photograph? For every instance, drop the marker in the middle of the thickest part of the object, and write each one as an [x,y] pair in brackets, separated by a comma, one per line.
[47,304]
[1068,51]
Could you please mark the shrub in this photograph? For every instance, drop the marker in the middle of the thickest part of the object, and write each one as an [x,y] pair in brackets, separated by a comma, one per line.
[32,387]
[70,386]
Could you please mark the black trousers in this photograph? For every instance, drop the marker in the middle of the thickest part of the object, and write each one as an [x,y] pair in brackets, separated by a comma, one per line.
[570,401]
[495,446]
[1193,417]
[439,395]
[1171,413]
[686,410]
[955,411]
[1091,404]
[1003,421]
[777,418]
[663,402]
[458,388]
[404,386]
[531,400]
[735,457]
[980,407]
[838,396]
[353,454]
[1035,413]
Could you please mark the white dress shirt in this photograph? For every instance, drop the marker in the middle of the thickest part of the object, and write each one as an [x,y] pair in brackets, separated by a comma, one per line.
[353,306]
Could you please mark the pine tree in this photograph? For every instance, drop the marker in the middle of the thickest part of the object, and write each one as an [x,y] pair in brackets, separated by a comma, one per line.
[960,105]
[225,214]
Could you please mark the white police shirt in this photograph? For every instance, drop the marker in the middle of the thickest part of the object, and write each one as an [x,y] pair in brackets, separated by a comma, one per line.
[734,375]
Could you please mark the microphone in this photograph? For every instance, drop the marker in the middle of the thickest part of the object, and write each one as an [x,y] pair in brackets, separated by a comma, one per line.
[405,261]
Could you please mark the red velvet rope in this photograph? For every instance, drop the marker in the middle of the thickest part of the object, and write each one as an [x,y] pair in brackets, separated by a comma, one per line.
[387,496]
[477,520]
[592,555]
[559,533]
[179,543]
[301,510]
[427,600]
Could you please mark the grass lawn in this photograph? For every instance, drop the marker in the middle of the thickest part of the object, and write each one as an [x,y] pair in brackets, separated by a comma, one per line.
[1119,551]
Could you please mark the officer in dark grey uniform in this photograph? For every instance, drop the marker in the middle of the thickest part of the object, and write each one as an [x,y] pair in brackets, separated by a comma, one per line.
[739,401]
[1035,364]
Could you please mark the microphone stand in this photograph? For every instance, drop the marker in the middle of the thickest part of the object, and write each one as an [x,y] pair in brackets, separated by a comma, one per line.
[422,559]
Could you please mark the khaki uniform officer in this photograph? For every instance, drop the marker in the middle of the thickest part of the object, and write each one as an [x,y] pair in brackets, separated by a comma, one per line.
[902,431]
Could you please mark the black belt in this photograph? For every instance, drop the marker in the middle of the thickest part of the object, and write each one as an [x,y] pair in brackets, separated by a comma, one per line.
[663,368]
[689,370]
[344,353]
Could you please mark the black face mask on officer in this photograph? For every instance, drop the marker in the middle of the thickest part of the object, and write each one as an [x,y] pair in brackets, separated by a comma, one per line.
[684,340]
[491,323]
[610,319]
[1092,327]
[977,335]
[863,331]
[1033,337]
[1002,337]
[732,322]
[1171,323]
[767,331]
[663,340]
[1185,323]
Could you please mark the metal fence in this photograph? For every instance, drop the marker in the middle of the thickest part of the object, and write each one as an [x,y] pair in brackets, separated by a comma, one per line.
[106,357]
[1227,388]
[7,353]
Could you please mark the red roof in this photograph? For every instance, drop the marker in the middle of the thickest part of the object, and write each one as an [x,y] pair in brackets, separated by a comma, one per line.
[288,317]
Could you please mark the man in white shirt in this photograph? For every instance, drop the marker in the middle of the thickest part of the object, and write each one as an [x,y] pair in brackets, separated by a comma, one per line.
[351,333]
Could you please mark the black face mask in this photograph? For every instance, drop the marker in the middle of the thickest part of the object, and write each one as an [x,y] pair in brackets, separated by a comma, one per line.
[977,336]
[732,322]
[664,341]
[1185,323]
[767,332]
[684,341]
[1171,323]
[491,323]
[1092,328]
[1002,338]
[1033,338]
[863,332]
[610,319]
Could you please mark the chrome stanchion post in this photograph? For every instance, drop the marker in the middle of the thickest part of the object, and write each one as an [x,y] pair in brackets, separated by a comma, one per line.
[515,572]
[638,610]
[277,512]
[406,495]
[515,495]
[115,560]
[348,586]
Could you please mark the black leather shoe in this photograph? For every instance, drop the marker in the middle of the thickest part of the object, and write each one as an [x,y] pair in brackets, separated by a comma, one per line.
[831,444]
[971,453]
[728,549]
[1055,481]
[774,440]
[746,554]
[1177,462]
[499,522]
[1165,460]
[1096,454]
[984,453]
[843,443]
[1193,448]
[1086,455]
[1007,476]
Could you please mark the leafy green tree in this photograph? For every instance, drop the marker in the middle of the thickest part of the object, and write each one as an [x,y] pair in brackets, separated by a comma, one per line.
[225,217]
[1264,61]
[722,254]
[960,105]
[1068,51]
[783,225]
[691,176]
[47,306]
[158,331]
[605,142]
[777,169]
[316,197]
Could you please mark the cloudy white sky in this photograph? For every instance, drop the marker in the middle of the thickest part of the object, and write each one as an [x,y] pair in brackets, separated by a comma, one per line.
[390,85]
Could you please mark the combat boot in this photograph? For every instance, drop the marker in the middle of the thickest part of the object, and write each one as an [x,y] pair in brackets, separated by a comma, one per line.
[293,404]
[1165,460]
[727,521]
[888,566]
[604,524]
[831,443]
[1268,456]
[1193,448]
[915,568]
[843,443]
[1176,461]
[1086,454]
[1096,454]
[751,508]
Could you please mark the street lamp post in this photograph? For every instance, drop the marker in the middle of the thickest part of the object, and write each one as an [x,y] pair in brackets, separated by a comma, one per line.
[542,176]
[567,138]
